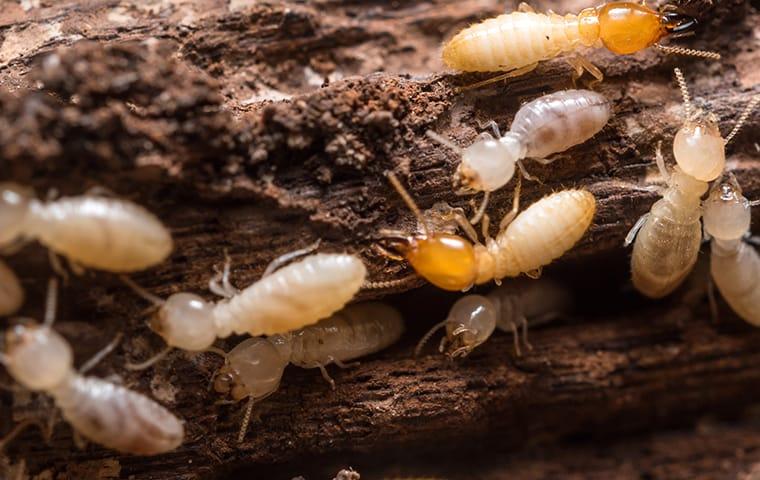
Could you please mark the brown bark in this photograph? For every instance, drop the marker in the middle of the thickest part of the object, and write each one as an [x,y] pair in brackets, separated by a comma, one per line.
[167,105]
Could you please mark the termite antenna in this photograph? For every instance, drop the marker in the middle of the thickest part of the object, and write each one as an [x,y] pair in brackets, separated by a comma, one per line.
[428,336]
[386,284]
[155,300]
[743,117]
[103,353]
[408,200]
[684,92]
[687,52]
[149,362]
[51,302]
[246,419]
[444,141]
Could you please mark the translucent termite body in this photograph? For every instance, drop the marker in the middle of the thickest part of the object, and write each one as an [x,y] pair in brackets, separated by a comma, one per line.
[517,41]
[111,415]
[11,292]
[253,368]
[292,297]
[525,242]
[667,239]
[734,264]
[518,304]
[549,124]
[89,230]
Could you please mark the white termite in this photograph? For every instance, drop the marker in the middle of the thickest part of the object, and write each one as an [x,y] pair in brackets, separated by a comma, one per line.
[254,368]
[667,239]
[517,304]
[11,292]
[734,264]
[547,125]
[89,230]
[292,297]
[40,359]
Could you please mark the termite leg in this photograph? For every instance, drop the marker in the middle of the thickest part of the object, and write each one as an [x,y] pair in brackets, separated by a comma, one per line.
[51,302]
[515,207]
[493,126]
[225,289]
[525,174]
[546,161]
[283,260]
[712,300]
[504,76]
[149,362]
[325,375]
[485,227]
[343,365]
[524,323]
[635,229]
[457,214]
[482,209]
[534,274]
[16,431]
[515,338]
[581,64]
[99,356]
[525,8]
[661,163]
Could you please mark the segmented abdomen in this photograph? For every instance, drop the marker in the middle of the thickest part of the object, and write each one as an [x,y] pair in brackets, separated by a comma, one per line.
[355,331]
[664,253]
[102,233]
[293,297]
[555,122]
[737,277]
[510,41]
[543,232]
[11,293]
[118,418]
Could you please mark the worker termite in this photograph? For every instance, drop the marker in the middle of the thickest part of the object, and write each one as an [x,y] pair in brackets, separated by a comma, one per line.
[291,297]
[89,230]
[253,368]
[734,264]
[549,124]
[515,42]
[11,293]
[38,358]
[667,239]
[525,242]
[473,318]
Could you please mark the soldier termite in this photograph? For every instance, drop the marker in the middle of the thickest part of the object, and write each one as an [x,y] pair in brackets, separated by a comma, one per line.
[549,124]
[89,230]
[253,368]
[41,360]
[667,239]
[473,318]
[525,242]
[515,42]
[11,293]
[734,264]
[291,297]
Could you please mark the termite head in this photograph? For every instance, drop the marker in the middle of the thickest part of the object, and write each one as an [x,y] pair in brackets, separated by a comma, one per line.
[627,27]
[252,369]
[489,164]
[37,357]
[185,321]
[14,205]
[699,148]
[471,320]
[727,213]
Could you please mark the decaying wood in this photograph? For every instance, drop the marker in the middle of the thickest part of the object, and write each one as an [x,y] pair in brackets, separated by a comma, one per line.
[213,115]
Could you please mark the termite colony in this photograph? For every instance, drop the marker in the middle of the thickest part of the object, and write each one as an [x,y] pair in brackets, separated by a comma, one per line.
[299,311]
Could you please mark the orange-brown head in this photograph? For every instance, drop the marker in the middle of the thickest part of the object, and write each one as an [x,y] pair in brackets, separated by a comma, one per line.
[446,261]
[627,27]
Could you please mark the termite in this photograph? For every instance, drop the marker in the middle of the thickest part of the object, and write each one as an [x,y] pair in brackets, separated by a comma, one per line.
[254,368]
[525,242]
[516,42]
[549,124]
[473,318]
[40,359]
[89,230]
[284,299]
[11,293]
[668,237]
[734,264]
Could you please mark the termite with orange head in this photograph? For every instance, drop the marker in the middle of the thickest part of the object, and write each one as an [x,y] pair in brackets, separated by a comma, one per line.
[667,239]
[284,299]
[544,126]
[89,230]
[253,368]
[508,307]
[11,293]
[734,263]
[515,42]
[525,243]
[108,414]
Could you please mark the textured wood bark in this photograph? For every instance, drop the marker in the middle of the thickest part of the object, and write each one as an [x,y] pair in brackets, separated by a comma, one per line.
[178,107]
